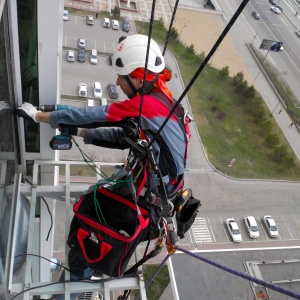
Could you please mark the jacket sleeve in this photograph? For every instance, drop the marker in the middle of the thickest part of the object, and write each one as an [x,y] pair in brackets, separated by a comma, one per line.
[106,137]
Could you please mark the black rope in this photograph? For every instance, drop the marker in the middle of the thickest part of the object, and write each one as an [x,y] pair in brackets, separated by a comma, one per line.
[206,60]
[170,27]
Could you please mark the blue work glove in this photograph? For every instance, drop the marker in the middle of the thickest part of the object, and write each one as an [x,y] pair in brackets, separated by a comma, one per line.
[27,111]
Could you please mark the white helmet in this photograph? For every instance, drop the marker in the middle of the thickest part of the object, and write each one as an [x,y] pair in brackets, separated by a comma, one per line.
[131,54]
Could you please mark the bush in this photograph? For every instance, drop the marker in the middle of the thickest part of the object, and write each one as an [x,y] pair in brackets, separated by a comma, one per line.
[224,72]
[238,78]
[248,93]
[116,11]
[174,33]
[240,87]
[271,140]
[191,49]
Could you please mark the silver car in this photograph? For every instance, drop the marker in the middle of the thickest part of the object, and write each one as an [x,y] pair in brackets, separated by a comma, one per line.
[271,226]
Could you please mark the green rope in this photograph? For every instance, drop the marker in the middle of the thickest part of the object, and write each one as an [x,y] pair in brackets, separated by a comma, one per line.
[101,173]
[97,207]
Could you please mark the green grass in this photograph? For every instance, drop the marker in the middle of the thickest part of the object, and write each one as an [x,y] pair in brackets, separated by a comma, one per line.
[236,135]
[158,285]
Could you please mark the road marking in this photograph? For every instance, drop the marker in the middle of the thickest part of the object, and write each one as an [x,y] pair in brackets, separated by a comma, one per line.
[225,230]
[290,233]
[211,230]
[200,231]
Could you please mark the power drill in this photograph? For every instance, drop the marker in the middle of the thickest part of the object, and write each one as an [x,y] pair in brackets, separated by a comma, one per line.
[62,141]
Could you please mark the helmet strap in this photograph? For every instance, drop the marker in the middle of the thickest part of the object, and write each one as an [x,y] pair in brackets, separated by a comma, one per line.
[147,89]
[134,90]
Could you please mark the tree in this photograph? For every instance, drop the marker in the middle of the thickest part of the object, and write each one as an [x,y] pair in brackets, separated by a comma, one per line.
[248,93]
[238,78]
[224,72]
[191,49]
[116,11]
[241,86]
[174,33]
[271,140]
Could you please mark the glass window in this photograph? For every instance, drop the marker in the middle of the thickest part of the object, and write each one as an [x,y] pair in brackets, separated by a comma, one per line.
[9,150]
[27,26]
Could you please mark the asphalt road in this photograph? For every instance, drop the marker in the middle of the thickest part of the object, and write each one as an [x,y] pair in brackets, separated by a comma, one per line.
[280,27]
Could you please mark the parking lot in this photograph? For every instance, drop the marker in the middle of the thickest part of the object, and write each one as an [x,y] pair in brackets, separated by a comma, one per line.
[104,40]
[213,229]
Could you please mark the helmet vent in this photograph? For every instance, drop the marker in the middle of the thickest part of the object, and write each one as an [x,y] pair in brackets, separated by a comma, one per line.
[119,62]
[158,61]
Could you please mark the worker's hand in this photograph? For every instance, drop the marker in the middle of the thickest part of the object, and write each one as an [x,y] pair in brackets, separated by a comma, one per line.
[27,111]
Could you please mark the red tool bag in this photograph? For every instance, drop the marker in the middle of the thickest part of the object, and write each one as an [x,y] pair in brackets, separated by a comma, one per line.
[106,229]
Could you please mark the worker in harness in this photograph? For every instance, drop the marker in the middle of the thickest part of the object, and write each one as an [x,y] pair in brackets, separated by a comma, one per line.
[149,103]
[129,63]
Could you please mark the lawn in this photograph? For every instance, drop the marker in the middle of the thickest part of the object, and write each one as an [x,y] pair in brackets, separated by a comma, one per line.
[226,128]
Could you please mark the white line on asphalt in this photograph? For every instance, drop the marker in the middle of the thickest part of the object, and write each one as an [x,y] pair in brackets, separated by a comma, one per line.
[290,233]
[211,230]
[262,226]
[224,229]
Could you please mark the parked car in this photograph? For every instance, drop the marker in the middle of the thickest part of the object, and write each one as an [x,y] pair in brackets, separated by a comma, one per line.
[81,43]
[270,226]
[277,46]
[81,55]
[66,15]
[82,90]
[90,102]
[234,230]
[273,2]
[97,89]
[112,91]
[256,15]
[94,58]
[279,7]
[251,227]
[115,24]
[126,25]
[106,22]
[89,20]
[276,10]
[298,33]
[70,55]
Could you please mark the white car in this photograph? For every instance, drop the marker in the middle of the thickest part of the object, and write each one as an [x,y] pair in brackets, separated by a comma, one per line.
[70,55]
[271,226]
[115,24]
[97,89]
[66,15]
[234,230]
[81,43]
[94,58]
[251,227]
[82,90]
[298,32]
[275,9]
[106,22]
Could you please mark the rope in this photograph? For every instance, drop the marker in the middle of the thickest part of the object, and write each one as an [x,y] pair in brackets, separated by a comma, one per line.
[154,274]
[206,60]
[240,274]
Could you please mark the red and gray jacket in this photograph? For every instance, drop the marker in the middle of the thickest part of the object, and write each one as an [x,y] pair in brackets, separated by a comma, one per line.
[169,147]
